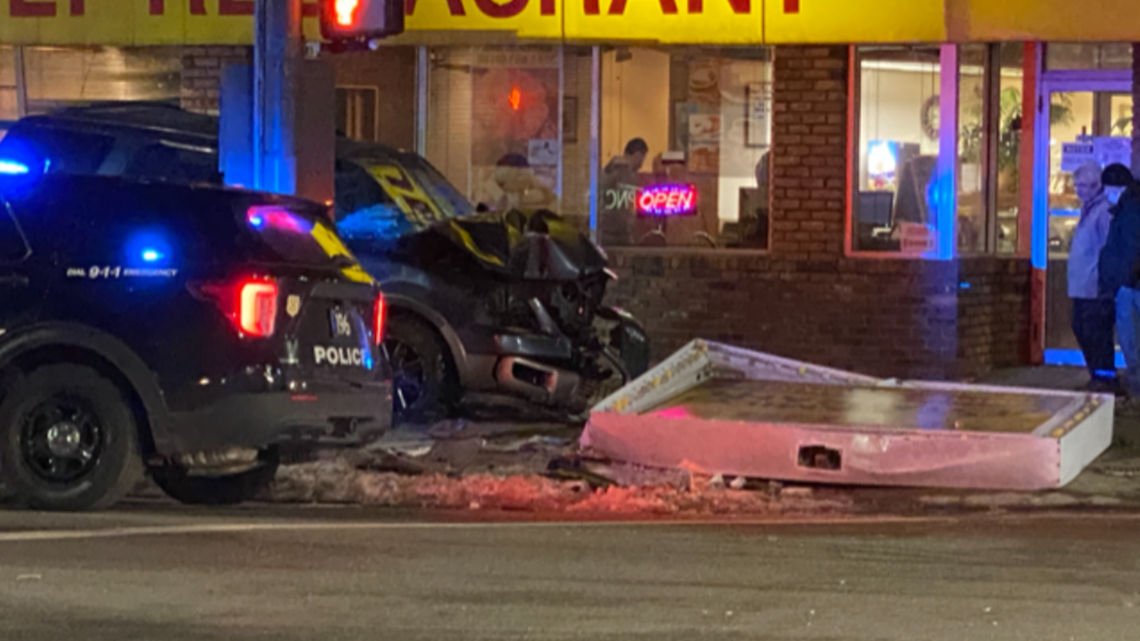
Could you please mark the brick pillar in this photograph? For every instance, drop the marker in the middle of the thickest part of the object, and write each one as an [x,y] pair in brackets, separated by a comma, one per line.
[809,152]
[202,74]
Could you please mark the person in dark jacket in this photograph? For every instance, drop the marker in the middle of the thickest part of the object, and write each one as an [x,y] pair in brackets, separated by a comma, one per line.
[1118,269]
[619,186]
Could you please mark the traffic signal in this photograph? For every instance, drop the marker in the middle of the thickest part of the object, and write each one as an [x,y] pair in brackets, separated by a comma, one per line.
[343,20]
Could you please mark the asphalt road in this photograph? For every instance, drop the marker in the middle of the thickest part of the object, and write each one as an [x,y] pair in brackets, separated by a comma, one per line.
[164,573]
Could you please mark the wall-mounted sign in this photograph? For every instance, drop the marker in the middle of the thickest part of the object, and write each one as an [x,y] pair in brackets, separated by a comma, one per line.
[230,22]
[667,200]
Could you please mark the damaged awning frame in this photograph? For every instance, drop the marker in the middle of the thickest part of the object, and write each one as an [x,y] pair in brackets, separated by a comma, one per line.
[635,425]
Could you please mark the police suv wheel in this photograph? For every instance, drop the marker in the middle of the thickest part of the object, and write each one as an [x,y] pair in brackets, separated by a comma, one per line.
[215,490]
[423,385]
[68,440]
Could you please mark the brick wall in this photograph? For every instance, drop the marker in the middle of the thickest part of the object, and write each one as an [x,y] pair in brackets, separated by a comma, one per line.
[202,74]
[993,314]
[809,152]
[885,318]
[805,299]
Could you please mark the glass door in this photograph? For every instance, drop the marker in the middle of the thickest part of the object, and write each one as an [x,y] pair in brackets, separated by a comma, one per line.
[1085,122]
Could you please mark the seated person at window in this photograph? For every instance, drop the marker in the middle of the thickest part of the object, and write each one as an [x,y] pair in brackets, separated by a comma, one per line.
[619,186]
[514,186]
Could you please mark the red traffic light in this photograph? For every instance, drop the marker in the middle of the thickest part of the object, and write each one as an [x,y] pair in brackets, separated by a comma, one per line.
[361,19]
[345,11]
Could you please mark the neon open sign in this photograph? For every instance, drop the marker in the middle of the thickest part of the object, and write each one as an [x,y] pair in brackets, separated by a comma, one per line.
[667,200]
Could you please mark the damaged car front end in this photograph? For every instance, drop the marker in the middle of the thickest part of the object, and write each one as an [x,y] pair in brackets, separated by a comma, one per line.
[488,310]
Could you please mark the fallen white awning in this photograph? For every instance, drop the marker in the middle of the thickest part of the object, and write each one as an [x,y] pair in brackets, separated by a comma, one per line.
[717,409]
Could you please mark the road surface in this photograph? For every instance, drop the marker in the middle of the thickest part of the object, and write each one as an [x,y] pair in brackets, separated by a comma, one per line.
[163,573]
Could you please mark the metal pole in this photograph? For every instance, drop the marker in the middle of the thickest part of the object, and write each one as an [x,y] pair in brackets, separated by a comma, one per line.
[21,82]
[595,136]
[421,99]
[561,119]
[946,208]
[277,49]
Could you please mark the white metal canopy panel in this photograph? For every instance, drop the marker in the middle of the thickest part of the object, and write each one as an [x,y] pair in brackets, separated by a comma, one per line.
[723,410]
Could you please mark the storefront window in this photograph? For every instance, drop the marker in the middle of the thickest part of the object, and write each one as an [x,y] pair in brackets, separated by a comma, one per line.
[975,147]
[376,95]
[61,76]
[1061,56]
[509,126]
[1010,134]
[897,149]
[685,142]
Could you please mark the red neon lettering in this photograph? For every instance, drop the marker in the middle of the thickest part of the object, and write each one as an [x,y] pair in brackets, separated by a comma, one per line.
[668,7]
[671,203]
[235,7]
[687,199]
[508,9]
[645,201]
[31,9]
[454,7]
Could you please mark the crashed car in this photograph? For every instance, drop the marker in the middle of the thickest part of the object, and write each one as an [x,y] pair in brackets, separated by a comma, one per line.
[486,307]
[486,310]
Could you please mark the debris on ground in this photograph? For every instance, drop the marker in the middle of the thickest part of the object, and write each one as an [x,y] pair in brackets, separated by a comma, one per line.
[341,481]
[533,467]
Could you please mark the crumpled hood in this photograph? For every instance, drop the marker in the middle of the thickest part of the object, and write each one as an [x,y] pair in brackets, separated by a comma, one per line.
[538,245]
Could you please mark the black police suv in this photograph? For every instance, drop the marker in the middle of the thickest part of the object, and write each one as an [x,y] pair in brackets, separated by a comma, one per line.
[195,333]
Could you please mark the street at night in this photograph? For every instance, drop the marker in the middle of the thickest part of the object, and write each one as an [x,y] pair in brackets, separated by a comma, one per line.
[155,572]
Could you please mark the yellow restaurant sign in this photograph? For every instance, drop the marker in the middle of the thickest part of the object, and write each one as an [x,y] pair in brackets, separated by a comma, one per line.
[157,22]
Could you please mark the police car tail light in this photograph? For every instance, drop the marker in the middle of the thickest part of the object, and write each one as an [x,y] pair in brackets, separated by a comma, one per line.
[250,303]
[257,307]
[378,315]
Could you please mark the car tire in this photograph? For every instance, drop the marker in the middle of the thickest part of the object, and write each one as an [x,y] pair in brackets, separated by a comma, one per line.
[423,383]
[68,440]
[215,490]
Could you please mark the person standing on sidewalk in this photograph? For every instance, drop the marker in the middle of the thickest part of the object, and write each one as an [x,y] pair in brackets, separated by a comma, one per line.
[1118,270]
[1093,315]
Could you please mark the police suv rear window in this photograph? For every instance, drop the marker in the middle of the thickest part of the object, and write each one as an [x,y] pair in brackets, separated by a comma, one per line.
[66,151]
[295,237]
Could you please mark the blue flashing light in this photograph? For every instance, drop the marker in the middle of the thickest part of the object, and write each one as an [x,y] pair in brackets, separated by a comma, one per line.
[13,168]
[151,255]
[1074,358]
[964,285]
[256,221]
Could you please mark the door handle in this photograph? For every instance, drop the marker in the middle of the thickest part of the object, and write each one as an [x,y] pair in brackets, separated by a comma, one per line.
[14,280]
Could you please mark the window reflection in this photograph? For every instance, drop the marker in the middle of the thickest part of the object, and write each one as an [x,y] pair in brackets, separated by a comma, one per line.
[897,150]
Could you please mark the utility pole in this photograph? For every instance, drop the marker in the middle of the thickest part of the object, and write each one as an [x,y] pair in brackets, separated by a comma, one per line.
[276,55]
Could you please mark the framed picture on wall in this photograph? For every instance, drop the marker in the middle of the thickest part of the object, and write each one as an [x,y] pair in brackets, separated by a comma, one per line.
[757,98]
[569,120]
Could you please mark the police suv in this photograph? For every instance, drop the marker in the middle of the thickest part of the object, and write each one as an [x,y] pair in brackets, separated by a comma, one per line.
[198,334]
